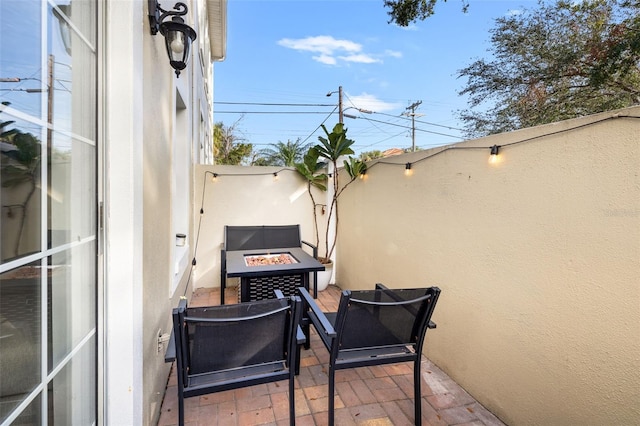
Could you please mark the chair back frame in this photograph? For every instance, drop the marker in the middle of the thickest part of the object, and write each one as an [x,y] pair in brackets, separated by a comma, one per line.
[200,383]
[333,333]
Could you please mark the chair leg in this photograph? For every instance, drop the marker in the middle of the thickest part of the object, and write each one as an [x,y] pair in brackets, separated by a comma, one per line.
[417,395]
[180,410]
[331,395]
[292,401]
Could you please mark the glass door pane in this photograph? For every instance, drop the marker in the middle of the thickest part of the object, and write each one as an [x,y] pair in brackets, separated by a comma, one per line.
[48,224]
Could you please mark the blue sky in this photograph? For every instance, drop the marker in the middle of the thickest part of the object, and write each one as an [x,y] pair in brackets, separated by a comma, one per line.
[296,51]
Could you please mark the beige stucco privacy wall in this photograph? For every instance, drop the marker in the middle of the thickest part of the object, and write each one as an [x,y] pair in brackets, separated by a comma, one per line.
[537,256]
[245,196]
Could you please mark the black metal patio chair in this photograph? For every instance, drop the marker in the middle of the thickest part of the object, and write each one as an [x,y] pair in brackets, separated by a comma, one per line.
[219,348]
[375,327]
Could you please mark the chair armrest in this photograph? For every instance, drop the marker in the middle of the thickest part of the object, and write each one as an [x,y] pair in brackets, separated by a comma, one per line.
[322,320]
[300,337]
[313,247]
[315,273]
[432,324]
[278,293]
[170,354]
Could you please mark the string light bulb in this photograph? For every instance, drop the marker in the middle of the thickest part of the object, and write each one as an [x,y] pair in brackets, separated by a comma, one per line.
[214,177]
[493,158]
[275,175]
[407,169]
[364,172]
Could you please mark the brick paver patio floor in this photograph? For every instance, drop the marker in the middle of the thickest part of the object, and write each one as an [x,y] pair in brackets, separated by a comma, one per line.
[371,396]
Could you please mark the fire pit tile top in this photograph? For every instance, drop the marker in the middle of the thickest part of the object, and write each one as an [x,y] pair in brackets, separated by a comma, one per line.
[269,259]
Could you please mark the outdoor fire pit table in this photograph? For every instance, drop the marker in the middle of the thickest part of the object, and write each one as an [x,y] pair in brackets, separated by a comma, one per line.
[261,271]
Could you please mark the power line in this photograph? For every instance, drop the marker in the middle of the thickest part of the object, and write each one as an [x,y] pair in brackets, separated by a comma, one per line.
[383,140]
[409,128]
[324,112]
[420,121]
[371,120]
[316,129]
[270,112]
[312,112]
[271,104]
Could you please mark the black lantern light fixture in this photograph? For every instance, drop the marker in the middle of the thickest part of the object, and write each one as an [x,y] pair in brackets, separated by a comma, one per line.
[178,36]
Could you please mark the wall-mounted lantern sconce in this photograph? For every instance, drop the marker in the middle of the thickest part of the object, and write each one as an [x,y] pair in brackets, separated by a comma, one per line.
[178,36]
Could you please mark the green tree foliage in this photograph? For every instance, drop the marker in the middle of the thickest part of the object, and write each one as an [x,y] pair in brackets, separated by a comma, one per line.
[284,153]
[370,155]
[621,47]
[331,149]
[404,12]
[560,61]
[311,169]
[228,146]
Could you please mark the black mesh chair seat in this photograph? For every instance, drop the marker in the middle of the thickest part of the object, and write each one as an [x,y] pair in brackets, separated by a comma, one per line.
[375,327]
[219,348]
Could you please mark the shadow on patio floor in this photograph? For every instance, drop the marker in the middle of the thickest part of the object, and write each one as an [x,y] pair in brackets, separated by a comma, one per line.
[373,396]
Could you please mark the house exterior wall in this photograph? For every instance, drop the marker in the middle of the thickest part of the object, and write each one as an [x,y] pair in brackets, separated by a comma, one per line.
[153,126]
[537,257]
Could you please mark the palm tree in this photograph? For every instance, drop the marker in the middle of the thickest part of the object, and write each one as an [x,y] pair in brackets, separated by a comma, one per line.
[285,154]
[330,150]
[311,170]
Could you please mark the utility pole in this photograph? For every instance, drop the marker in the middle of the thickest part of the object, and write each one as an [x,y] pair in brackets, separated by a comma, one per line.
[340,114]
[412,114]
[50,80]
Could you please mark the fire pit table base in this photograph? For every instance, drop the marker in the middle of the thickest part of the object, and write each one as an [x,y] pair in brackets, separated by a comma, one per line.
[258,288]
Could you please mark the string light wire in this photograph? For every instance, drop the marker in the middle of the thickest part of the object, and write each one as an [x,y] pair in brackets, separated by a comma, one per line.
[406,165]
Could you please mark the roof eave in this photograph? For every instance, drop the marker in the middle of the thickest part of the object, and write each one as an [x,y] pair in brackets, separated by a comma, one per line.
[217,17]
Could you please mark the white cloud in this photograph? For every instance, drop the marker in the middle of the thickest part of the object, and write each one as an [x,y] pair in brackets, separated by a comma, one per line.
[330,50]
[369,102]
[326,45]
[360,58]
[325,59]
[410,27]
[393,53]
